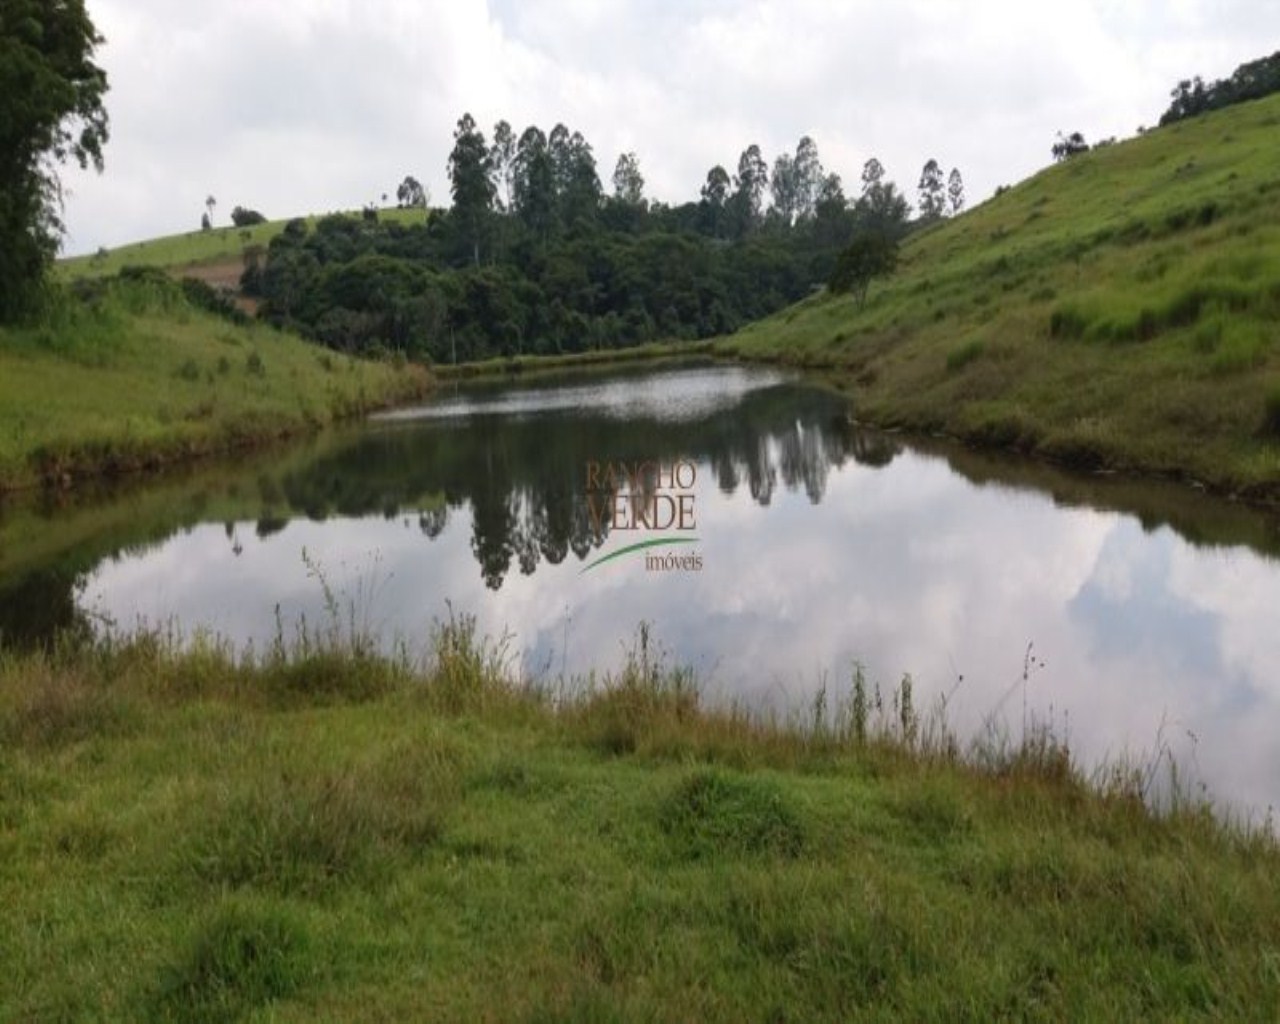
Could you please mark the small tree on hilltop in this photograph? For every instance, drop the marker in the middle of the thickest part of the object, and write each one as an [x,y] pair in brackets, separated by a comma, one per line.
[242,217]
[411,195]
[872,254]
[933,203]
[1068,146]
[955,191]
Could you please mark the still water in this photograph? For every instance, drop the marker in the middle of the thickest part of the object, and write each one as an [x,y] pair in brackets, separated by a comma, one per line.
[1150,611]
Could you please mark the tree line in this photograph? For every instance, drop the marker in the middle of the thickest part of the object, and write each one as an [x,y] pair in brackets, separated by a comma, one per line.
[1250,81]
[535,256]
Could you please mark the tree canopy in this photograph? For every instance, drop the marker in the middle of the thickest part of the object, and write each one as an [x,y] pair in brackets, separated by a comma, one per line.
[533,256]
[51,111]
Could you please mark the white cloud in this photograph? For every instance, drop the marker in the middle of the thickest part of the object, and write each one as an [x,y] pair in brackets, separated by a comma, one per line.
[295,106]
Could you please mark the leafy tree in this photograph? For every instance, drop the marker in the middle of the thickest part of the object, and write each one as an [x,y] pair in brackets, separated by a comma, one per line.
[782,184]
[205,223]
[470,182]
[244,218]
[410,195]
[872,175]
[933,196]
[881,207]
[502,158]
[51,110]
[714,202]
[955,191]
[1068,146]
[809,177]
[628,182]
[558,147]
[209,205]
[870,255]
[534,183]
[580,196]
[832,219]
[749,186]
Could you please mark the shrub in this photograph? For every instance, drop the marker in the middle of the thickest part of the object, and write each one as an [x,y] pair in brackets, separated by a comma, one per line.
[243,218]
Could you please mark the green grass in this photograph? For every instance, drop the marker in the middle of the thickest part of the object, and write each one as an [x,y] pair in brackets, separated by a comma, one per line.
[319,833]
[1119,310]
[196,248]
[136,378]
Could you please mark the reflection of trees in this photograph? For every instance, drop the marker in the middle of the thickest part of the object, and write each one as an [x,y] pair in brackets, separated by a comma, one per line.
[521,482]
[524,478]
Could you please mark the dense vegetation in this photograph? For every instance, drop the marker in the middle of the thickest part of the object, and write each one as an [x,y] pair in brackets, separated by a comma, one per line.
[1117,310]
[1251,81]
[318,832]
[533,258]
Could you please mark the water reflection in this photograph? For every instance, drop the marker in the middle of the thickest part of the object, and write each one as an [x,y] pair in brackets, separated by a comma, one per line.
[820,543]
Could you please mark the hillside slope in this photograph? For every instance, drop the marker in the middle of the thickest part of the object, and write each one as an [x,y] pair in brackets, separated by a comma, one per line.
[1119,310]
[223,246]
[136,377]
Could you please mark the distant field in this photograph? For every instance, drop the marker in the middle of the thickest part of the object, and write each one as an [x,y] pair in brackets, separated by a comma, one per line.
[1120,310]
[197,248]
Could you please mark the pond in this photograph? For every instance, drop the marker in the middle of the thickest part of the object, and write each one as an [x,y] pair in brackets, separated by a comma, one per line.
[767,541]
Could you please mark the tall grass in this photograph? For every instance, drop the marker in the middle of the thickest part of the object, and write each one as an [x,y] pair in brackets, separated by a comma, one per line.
[317,830]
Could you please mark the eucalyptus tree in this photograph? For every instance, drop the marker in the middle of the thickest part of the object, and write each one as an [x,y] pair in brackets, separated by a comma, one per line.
[471,182]
[628,182]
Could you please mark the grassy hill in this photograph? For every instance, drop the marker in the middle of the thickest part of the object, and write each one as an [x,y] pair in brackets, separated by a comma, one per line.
[1119,310]
[224,245]
[137,377]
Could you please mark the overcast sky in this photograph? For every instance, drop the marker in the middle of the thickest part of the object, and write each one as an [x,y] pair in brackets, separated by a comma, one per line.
[295,106]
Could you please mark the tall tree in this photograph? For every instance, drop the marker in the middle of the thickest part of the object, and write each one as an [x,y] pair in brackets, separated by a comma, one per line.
[628,182]
[932,192]
[533,183]
[713,207]
[809,178]
[581,197]
[881,207]
[558,148]
[955,191]
[872,175]
[783,186]
[749,187]
[51,110]
[502,156]
[831,219]
[470,182]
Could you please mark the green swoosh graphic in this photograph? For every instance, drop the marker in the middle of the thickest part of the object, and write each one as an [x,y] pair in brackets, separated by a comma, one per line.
[661,541]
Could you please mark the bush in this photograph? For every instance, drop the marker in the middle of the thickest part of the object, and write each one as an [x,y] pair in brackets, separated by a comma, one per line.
[243,218]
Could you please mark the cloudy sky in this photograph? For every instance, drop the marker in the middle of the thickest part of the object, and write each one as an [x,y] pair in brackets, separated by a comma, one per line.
[294,106]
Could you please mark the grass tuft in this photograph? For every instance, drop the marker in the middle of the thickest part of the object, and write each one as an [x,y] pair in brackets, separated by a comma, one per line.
[243,956]
[714,813]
